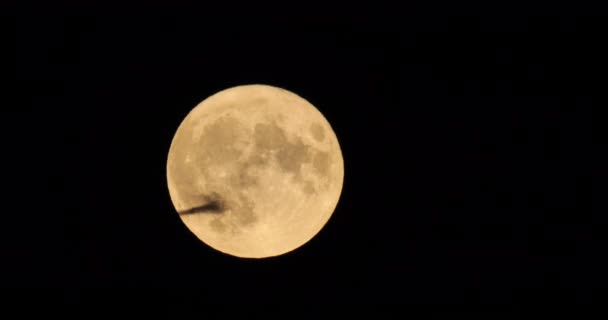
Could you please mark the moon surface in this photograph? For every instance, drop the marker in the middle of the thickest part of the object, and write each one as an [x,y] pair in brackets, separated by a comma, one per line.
[255,171]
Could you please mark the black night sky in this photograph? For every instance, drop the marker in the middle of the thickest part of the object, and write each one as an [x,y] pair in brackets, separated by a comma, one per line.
[466,139]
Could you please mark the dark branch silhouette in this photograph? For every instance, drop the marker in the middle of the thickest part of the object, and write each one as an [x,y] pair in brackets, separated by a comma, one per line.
[213,207]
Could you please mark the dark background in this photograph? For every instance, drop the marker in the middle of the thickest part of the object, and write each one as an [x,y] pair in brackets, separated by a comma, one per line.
[466,140]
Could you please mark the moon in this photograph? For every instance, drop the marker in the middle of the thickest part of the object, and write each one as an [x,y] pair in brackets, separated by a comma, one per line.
[255,171]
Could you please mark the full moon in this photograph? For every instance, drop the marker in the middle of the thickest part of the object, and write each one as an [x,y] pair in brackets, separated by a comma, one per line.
[255,171]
